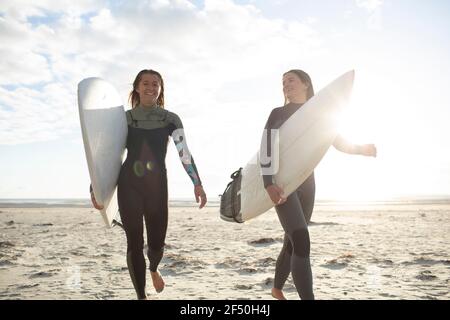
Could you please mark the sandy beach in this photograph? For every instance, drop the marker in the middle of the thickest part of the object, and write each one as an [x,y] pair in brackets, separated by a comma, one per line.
[364,251]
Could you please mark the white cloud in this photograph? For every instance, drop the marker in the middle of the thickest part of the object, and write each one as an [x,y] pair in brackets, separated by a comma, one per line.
[36,115]
[374,8]
[200,52]
[20,64]
[370,5]
[103,21]
[21,10]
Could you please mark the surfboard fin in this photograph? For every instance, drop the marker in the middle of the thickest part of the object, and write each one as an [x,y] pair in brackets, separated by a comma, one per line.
[117,223]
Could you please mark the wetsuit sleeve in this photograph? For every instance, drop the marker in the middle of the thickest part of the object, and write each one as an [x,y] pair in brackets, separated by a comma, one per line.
[265,151]
[129,118]
[179,138]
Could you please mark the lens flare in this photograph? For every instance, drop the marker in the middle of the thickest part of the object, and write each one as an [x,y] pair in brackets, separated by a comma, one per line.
[139,169]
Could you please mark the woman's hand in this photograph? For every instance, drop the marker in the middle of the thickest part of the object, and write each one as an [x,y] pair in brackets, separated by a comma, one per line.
[200,195]
[276,194]
[94,202]
[368,150]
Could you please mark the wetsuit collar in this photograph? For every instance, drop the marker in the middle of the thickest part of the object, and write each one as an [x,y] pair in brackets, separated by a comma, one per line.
[153,107]
[291,104]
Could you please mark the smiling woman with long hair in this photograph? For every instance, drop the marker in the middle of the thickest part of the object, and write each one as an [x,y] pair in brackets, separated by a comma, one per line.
[142,185]
[295,210]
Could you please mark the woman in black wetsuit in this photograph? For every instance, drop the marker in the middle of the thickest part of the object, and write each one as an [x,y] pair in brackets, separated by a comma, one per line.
[142,184]
[294,211]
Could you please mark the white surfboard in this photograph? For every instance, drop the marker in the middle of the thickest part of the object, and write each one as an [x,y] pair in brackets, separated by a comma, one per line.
[104,129]
[303,141]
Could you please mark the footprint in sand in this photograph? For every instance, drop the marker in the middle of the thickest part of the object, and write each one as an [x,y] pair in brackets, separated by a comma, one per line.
[262,241]
[243,287]
[426,276]
[41,274]
[340,262]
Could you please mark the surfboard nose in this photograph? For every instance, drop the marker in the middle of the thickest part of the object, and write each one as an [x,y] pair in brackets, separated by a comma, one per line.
[349,76]
[96,93]
[344,84]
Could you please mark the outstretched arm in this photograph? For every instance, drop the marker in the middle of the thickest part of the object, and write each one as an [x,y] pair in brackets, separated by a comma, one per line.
[345,146]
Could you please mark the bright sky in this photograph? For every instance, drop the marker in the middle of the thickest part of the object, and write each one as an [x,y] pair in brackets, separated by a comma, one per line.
[222,62]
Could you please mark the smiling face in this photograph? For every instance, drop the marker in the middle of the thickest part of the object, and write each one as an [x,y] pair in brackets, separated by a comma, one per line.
[149,89]
[294,89]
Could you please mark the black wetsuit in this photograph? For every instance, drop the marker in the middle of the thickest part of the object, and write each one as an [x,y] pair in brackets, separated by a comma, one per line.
[142,186]
[294,216]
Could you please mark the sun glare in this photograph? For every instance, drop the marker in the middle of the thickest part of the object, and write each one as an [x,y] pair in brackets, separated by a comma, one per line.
[357,178]
[356,123]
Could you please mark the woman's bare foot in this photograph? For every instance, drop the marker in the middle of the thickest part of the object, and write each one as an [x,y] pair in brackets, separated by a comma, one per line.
[278,294]
[158,281]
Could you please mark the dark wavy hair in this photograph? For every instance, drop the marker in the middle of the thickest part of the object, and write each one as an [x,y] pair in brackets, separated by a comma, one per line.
[306,79]
[134,95]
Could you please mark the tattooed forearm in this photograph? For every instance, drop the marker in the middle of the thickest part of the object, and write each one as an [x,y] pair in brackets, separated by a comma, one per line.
[179,139]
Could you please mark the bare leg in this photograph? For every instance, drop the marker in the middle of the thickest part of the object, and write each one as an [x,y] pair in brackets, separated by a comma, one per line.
[278,294]
[158,281]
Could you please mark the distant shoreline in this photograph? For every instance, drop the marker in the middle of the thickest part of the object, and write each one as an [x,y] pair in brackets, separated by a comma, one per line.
[86,203]
[79,203]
